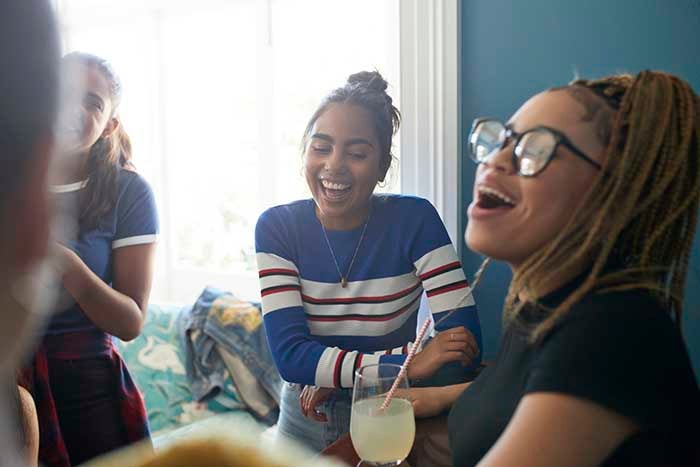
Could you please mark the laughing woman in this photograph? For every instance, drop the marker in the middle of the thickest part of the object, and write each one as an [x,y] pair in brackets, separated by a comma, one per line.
[590,193]
[87,403]
[342,274]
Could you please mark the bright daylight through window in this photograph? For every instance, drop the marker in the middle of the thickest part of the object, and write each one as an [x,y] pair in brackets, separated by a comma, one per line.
[216,97]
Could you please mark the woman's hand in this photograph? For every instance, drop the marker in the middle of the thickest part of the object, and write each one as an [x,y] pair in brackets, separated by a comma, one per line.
[427,402]
[452,345]
[432,401]
[310,398]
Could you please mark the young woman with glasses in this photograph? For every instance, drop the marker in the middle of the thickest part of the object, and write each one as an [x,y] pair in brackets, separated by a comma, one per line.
[590,193]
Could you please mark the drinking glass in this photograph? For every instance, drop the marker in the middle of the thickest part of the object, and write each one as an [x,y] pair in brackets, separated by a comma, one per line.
[381,437]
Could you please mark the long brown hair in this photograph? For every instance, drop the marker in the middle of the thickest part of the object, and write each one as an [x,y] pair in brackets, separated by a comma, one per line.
[107,156]
[641,212]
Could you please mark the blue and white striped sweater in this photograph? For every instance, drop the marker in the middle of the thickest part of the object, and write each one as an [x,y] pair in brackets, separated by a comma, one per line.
[319,332]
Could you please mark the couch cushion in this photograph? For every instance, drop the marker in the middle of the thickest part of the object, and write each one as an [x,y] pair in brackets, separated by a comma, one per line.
[156,362]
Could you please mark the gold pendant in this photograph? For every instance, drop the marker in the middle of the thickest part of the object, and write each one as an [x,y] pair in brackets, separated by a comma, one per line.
[343,282]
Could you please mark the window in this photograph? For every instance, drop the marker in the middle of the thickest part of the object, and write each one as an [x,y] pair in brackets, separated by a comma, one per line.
[216,97]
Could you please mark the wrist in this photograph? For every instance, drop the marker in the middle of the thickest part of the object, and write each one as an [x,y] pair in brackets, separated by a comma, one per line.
[413,374]
[71,273]
[69,265]
[443,397]
[450,394]
[70,262]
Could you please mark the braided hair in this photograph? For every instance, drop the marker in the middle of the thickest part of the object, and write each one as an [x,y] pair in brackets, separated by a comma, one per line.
[636,226]
[366,89]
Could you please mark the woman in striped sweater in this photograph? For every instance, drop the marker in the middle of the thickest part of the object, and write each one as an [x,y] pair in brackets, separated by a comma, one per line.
[342,274]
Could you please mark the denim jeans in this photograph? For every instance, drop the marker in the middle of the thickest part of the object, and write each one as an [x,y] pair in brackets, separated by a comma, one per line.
[312,434]
[211,323]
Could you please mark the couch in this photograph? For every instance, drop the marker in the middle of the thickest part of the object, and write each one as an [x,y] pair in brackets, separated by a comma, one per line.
[156,362]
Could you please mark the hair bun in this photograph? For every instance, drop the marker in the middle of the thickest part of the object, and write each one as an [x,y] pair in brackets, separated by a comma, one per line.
[369,79]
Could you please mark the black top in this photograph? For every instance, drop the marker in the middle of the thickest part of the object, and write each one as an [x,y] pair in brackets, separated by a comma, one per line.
[620,350]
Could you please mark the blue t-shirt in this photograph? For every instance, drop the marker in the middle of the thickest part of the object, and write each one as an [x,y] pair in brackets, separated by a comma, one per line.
[319,331]
[132,221]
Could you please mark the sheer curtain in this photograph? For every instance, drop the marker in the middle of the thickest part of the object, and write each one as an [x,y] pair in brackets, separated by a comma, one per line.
[216,97]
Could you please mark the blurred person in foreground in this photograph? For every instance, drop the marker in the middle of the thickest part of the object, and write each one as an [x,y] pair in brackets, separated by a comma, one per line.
[29,61]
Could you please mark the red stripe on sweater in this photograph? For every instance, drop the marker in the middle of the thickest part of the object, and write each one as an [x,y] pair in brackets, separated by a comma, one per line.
[348,300]
[436,271]
[275,290]
[449,288]
[276,271]
[338,368]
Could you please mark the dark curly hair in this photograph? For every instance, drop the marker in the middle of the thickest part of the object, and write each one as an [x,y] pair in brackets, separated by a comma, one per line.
[366,89]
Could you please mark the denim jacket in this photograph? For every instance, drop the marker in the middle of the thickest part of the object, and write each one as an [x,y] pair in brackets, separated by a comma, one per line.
[224,336]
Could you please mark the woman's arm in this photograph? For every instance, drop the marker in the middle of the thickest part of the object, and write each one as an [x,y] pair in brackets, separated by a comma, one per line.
[451,345]
[431,401]
[119,310]
[551,429]
[30,426]
[298,356]
[446,288]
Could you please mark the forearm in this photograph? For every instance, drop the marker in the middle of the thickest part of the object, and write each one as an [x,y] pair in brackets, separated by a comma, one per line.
[110,310]
[432,401]
[449,394]
[301,359]
[467,316]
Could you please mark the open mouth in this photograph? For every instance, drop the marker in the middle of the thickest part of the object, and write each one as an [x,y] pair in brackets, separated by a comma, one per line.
[335,191]
[490,198]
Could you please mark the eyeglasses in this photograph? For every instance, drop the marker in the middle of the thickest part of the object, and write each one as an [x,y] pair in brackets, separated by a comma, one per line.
[533,149]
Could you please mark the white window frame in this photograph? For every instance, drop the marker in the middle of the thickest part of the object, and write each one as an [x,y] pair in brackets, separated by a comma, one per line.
[430,105]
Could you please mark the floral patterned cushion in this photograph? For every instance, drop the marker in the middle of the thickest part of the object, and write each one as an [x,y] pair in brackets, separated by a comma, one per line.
[156,362]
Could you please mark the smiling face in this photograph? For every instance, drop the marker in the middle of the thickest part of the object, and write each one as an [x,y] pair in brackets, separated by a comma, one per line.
[511,217]
[342,165]
[86,113]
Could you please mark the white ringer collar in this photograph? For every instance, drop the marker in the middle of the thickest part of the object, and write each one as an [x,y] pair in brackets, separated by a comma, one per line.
[68,187]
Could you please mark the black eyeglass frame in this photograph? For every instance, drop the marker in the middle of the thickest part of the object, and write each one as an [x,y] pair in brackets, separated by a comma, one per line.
[510,134]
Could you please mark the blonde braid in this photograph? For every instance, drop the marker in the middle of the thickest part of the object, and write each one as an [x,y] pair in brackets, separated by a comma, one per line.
[642,209]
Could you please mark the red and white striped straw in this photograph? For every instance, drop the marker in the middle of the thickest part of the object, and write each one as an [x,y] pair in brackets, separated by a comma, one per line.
[404,368]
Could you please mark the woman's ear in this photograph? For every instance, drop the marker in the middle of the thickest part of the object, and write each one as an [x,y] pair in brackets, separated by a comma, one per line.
[111,127]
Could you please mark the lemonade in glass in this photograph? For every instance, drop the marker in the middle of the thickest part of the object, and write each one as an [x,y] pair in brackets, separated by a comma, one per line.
[381,437]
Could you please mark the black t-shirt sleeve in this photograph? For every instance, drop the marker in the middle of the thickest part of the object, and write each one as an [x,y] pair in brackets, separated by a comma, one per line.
[621,351]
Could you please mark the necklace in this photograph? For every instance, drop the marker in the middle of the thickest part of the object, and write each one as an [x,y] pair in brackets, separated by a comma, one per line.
[344,278]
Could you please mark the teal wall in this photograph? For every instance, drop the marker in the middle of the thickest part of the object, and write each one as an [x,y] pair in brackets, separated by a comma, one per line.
[512,49]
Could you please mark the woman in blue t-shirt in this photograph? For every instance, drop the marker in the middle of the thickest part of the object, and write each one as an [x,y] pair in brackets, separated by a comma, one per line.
[87,403]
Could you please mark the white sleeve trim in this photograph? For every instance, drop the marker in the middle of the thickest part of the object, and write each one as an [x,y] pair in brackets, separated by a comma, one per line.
[137,240]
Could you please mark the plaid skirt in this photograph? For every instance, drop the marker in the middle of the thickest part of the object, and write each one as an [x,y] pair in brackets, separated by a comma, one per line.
[94,354]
